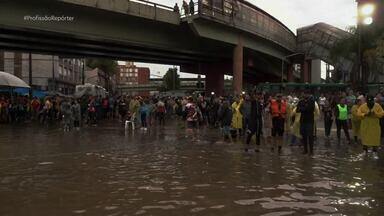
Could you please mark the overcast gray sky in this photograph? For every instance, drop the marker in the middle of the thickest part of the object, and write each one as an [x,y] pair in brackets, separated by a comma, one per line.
[294,14]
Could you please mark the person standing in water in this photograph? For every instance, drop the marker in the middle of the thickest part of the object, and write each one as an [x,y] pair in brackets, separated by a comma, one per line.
[370,130]
[356,121]
[278,112]
[342,120]
[255,121]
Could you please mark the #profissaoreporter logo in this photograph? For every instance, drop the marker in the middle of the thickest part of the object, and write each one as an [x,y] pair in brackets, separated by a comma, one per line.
[49,18]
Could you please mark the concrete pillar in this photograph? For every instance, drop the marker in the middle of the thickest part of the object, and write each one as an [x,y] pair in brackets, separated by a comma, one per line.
[316,71]
[238,67]
[1,60]
[290,77]
[305,71]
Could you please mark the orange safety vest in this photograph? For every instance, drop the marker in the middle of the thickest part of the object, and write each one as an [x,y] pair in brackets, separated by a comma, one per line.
[277,110]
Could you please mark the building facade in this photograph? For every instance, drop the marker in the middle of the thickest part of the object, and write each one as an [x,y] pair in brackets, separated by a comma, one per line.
[49,72]
[98,77]
[131,75]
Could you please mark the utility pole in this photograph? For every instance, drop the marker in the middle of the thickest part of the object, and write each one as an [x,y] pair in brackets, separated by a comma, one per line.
[360,75]
[365,16]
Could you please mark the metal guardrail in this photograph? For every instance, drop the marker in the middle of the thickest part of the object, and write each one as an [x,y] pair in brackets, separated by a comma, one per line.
[242,14]
[156,5]
[142,8]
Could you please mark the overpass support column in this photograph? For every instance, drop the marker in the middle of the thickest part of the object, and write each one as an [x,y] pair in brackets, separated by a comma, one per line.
[2,60]
[214,81]
[316,71]
[238,67]
[306,71]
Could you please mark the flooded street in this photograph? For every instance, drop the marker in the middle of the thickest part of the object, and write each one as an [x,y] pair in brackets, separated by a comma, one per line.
[106,170]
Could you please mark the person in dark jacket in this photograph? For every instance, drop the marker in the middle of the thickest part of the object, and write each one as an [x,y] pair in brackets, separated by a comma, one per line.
[328,117]
[246,111]
[255,120]
[225,118]
[306,108]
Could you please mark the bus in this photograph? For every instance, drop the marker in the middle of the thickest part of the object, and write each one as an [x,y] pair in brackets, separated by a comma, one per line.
[90,90]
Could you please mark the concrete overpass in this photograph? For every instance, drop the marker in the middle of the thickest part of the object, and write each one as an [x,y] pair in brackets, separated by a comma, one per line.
[222,37]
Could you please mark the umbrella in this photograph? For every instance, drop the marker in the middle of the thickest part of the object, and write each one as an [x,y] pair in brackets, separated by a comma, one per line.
[10,80]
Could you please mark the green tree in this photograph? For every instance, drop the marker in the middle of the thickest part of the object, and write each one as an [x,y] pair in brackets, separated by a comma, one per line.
[107,65]
[371,45]
[171,80]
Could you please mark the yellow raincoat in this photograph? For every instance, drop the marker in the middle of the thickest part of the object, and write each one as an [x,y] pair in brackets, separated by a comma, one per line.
[237,118]
[370,130]
[296,124]
[288,121]
[356,121]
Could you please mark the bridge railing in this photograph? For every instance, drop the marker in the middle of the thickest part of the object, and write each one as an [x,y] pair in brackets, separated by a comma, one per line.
[156,5]
[141,8]
[247,17]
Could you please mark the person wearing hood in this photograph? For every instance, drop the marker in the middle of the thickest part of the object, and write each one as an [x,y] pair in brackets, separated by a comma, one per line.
[144,113]
[356,121]
[246,111]
[308,112]
[295,123]
[255,121]
[225,118]
[370,131]
[328,117]
[76,111]
[237,116]
[288,119]
[66,112]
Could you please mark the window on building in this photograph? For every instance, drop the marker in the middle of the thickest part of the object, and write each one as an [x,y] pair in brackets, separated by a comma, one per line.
[135,74]
[136,70]
[130,69]
[121,74]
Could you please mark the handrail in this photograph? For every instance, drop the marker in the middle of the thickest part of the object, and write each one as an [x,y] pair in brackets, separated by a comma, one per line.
[156,5]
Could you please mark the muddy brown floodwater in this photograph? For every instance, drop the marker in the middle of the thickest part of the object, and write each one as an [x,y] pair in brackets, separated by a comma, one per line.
[106,170]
